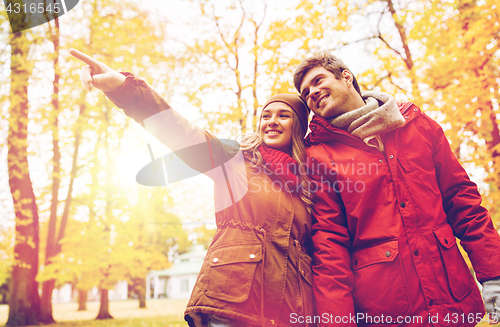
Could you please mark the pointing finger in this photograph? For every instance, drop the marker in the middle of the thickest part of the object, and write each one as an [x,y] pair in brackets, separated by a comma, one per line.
[85,58]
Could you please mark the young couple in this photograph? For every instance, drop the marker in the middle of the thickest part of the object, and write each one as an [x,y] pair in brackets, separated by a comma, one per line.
[384,251]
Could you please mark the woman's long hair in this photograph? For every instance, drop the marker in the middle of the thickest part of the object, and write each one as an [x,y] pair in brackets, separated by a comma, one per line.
[251,142]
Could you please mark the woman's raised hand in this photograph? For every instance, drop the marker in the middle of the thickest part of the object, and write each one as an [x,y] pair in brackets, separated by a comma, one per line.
[98,74]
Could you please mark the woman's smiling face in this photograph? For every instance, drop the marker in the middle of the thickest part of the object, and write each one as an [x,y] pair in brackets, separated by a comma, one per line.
[276,126]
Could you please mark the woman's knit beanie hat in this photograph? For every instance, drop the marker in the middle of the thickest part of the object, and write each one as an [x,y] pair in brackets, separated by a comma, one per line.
[296,103]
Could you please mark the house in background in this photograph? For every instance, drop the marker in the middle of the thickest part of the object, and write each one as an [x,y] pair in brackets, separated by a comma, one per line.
[176,282]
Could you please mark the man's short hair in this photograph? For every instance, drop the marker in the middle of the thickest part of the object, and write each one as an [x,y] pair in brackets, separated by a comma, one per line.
[327,61]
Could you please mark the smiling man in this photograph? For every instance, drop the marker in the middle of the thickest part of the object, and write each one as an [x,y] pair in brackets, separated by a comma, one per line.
[392,199]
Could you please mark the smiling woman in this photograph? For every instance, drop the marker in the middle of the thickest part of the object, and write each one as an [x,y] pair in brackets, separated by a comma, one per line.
[276,126]
[258,268]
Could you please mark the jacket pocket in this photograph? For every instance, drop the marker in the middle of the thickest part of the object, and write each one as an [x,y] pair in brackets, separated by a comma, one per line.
[232,269]
[459,279]
[379,284]
[305,264]
[306,282]
[404,163]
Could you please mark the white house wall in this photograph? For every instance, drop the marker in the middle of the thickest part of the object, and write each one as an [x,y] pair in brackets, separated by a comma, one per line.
[177,288]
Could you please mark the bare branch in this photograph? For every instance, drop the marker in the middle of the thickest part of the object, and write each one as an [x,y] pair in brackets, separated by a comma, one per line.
[396,85]
[379,35]
[354,42]
[219,29]
[389,46]
[402,34]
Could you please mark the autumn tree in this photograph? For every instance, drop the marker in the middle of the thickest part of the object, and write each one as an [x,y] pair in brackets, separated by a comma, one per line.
[6,227]
[124,46]
[225,57]
[24,302]
[51,244]
[461,78]
[203,235]
[153,233]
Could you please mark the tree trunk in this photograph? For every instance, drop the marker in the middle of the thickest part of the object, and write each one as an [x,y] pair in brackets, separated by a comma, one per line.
[74,169]
[51,249]
[46,302]
[141,292]
[104,308]
[24,304]
[82,300]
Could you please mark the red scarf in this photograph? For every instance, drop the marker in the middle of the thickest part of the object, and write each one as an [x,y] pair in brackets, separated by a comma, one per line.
[282,164]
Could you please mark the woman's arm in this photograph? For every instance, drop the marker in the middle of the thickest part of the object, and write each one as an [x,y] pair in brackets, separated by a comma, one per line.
[193,145]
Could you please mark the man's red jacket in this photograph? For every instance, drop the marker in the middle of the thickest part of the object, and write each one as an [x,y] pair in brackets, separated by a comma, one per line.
[384,237]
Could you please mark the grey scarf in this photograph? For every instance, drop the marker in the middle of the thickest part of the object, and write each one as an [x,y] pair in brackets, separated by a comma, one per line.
[369,121]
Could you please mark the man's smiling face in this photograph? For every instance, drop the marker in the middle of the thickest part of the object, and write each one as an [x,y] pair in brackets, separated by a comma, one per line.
[326,95]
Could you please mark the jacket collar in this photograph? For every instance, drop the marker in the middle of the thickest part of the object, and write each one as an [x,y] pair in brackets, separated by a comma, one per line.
[323,131]
[247,154]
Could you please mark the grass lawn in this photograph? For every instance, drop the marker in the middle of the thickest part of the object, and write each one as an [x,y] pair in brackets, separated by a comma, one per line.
[162,312]
[124,322]
[159,313]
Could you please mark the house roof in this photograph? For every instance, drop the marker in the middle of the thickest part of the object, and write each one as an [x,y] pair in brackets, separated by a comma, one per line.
[182,268]
[197,254]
